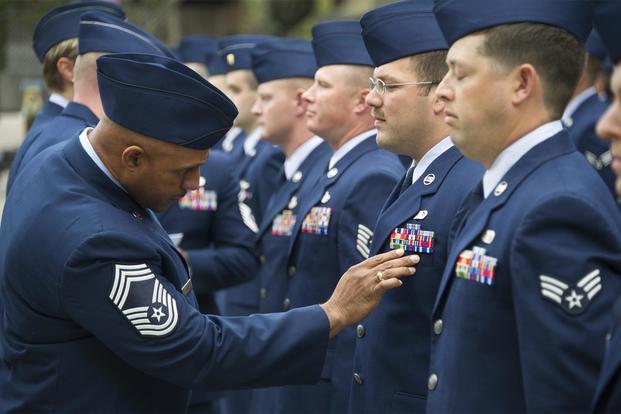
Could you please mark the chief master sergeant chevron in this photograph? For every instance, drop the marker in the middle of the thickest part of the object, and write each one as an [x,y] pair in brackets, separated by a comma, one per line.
[97,308]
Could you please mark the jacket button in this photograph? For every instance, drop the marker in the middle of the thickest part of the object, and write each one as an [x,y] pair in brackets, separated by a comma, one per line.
[262,259]
[291,271]
[437,327]
[360,331]
[263,293]
[286,303]
[357,378]
[432,382]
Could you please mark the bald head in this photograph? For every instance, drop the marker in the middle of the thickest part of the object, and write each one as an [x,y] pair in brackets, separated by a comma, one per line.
[154,172]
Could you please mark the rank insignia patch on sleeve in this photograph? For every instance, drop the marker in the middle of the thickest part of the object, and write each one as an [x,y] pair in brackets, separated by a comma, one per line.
[363,240]
[572,299]
[144,301]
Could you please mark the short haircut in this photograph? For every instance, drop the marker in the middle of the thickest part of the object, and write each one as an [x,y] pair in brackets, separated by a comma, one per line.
[67,49]
[429,67]
[593,68]
[557,56]
[358,76]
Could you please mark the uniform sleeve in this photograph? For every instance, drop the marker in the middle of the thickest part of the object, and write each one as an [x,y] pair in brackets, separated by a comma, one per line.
[565,271]
[231,259]
[359,215]
[121,291]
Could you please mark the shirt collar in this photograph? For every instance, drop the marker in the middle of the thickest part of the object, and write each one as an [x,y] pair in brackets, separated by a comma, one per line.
[512,154]
[293,162]
[349,145]
[58,99]
[577,101]
[230,137]
[251,142]
[429,157]
[88,147]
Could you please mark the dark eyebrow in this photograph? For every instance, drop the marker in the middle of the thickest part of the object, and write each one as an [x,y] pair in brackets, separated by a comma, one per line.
[388,79]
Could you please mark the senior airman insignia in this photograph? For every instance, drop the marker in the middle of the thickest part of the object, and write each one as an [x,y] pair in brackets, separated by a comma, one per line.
[475,265]
[143,300]
[283,223]
[573,299]
[412,238]
[364,239]
[429,178]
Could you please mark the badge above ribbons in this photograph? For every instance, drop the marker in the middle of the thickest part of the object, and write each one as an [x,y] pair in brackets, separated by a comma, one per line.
[143,300]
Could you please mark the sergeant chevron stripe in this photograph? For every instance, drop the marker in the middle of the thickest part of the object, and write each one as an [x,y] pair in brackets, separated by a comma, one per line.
[572,299]
[363,242]
[248,217]
[158,316]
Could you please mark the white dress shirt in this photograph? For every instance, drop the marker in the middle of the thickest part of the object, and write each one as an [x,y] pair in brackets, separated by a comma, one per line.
[251,142]
[58,99]
[293,162]
[575,103]
[429,157]
[88,147]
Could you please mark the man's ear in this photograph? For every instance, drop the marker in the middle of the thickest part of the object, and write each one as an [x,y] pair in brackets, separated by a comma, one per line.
[300,103]
[525,77]
[361,103]
[133,158]
[64,66]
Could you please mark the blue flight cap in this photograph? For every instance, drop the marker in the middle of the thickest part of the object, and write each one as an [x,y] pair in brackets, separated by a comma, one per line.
[459,18]
[62,23]
[235,50]
[216,65]
[100,32]
[595,47]
[607,21]
[163,99]
[283,58]
[401,29]
[197,48]
[339,42]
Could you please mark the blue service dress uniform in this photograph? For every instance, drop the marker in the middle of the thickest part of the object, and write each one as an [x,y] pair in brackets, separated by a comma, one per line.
[206,223]
[233,144]
[333,233]
[581,126]
[96,311]
[73,119]
[259,177]
[607,397]
[522,309]
[273,244]
[391,360]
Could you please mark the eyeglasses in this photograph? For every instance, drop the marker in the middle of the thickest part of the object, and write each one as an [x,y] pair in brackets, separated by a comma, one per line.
[380,86]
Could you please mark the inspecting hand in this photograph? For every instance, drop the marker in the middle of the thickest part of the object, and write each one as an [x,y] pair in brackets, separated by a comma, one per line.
[360,289]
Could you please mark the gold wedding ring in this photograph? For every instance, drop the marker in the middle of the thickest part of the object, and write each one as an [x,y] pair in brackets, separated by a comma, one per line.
[379,276]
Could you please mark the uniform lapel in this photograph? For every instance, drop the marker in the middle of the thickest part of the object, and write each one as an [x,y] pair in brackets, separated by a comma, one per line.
[405,206]
[553,147]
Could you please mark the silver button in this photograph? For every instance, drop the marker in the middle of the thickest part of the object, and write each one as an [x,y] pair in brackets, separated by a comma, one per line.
[263,293]
[262,259]
[432,382]
[291,271]
[357,378]
[333,172]
[360,331]
[297,177]
[286,303]
[437,327]
[137,215]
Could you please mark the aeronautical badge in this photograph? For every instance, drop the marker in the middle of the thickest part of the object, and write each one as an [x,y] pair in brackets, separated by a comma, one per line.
[143,300]
[573,299]
[363,240]
[475,265]
[317,221]
[199,200]
[412,238]
[283,223]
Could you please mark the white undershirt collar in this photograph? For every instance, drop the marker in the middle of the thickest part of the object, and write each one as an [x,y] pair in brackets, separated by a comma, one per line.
[577,101]
[429,157]
[88,147]
[293,162]
[251,142]
[349,145]
[58,99]
[512,154]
